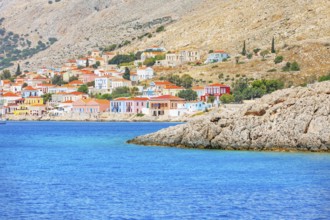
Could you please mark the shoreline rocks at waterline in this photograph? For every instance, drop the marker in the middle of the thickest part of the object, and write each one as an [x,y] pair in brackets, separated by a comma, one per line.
[294,119]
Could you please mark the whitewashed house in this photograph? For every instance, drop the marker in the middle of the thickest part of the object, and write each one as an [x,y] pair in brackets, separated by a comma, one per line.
[144,73]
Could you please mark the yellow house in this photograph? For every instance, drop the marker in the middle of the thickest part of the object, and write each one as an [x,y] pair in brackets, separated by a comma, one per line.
[34,100]
[22,110]
[172,90]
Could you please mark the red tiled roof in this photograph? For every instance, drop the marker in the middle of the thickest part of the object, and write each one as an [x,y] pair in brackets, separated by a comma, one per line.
[173,87]
[76,82]
[102,101]
[197,88]
[167,97]
[219,51]
[76,93]
[218,84]
[121,99]
[139,99]
[163,83]
[29,88]
[9,94]
[68,102]
[45,85]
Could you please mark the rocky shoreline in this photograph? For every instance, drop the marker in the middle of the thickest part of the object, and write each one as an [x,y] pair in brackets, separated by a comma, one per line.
[295,119]
[104,117]
[115,117]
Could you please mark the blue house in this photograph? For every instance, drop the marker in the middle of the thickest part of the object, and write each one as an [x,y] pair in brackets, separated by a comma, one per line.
[216,56]
[195,106]
[29,91]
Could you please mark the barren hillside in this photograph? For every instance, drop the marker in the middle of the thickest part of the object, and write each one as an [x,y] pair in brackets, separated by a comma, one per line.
[301,29]
[81,25]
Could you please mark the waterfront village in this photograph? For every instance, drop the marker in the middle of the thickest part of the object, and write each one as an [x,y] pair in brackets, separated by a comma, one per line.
[95,84]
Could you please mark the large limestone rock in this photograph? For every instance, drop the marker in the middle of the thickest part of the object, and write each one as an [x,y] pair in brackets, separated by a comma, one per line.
[295,119]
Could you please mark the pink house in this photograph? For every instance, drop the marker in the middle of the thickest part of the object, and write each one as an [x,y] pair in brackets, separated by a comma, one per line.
[44,87]
[88,77]
[129,105]
[91,106]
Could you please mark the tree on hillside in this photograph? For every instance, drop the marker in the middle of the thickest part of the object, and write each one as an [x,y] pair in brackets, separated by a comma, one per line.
[264,53]
[72,78]
[46,97]
[150,61]
[244,49]
[121,92]
[227,98]
[127,74]
[83,89]
[256,51]
[295,66]
[188,94]
[273,45]
[134,91]
[186,81]
[122,58]
[138,55]
[175,79]
[57,80]
[91,84]
[96,65]
[18,70]
[5,74]
[87,63]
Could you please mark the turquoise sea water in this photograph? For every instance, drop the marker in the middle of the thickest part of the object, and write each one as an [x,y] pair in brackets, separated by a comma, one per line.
[55,170]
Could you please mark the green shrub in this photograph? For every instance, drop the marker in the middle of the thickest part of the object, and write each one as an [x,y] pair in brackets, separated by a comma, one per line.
[287,67]
[188,95]
[271,70]
[160,29]
[249,55]
[295,66]
[324,78]
[256,51]
[227,98]
[278,59]
[122,58]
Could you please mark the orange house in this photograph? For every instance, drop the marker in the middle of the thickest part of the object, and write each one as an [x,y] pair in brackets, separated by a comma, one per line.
[91,106]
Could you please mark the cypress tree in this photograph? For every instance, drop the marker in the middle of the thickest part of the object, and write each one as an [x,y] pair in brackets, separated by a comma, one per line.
[273,45]
[18,71]
[87,63]
[244,49]
[127,74]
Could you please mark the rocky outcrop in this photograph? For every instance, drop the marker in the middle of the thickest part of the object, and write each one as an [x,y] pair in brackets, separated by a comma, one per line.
[295,119]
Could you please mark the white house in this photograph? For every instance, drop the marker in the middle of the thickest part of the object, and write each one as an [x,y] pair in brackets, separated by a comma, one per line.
[16,87]
[144,73]
[103,83]
[216,56]
[106,84]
